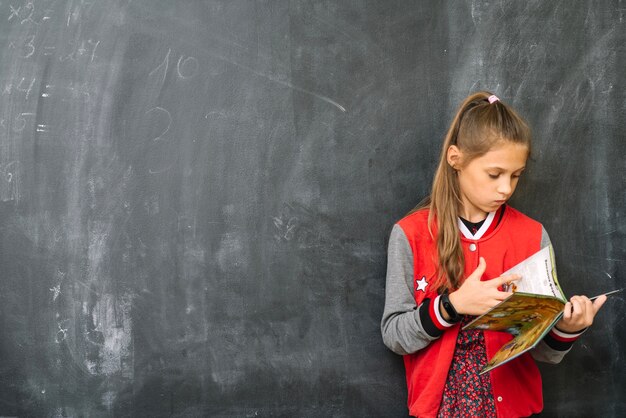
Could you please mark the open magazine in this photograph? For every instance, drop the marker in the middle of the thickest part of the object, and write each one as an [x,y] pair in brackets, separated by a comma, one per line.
[530,312]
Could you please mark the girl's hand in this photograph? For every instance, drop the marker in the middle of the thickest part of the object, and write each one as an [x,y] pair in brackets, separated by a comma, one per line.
[475,297]
[579,313]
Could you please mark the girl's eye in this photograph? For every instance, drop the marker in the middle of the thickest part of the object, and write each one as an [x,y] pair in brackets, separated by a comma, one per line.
[494,176]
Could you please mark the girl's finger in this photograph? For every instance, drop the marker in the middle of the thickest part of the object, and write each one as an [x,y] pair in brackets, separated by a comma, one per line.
[480,270]
[500,296]
[588,310]
[577,306]
[597,304]
[567,311]
[505,280]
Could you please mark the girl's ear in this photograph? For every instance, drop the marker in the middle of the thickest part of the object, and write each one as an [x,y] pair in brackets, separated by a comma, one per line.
[454,156]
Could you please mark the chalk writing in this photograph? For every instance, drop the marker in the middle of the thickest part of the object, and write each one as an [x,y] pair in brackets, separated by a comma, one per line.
[29,8]
[14,12]
[56,291]
[186,67]
[80,90]
[190,63]
[285,227]
[48,50]
[21,86]
[7,170]
[83,49]
[20,121]
[164,65]
[62,332]
[28,47]
[25,14]
[25,85]
[169,120]
[45,93]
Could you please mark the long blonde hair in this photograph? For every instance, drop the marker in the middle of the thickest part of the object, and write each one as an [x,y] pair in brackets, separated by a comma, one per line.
[477,126]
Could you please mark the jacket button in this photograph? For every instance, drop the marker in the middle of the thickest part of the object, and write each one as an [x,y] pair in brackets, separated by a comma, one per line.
[472,247]
[499,398]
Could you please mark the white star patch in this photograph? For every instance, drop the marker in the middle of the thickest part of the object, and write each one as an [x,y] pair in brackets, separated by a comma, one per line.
[421,284]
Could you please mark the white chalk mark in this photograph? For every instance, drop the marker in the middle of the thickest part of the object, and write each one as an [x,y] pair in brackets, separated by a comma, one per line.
[165,64]
[72,14]
[87,287]
[61,333]
[20,121]
[25,90]
[56,291]
[324,98]
[110,316]
[182,63]
[286,229]
[30,6]
[8,170]
[14,12]
[151,171]
[220,114]
[47,13]
[108,399]
[284,83]
[30,45]
[93,52]
[82,49]
[169,122]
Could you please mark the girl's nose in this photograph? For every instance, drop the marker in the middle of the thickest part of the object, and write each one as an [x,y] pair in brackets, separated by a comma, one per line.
[505,187]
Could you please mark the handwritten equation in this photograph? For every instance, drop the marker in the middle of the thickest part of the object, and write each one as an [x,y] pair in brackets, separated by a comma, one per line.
[34,43]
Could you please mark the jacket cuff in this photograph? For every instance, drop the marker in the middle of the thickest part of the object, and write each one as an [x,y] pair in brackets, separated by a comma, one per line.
[560,340]
[431,319]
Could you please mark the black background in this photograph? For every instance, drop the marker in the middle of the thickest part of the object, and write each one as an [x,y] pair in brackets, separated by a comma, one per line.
[195,196]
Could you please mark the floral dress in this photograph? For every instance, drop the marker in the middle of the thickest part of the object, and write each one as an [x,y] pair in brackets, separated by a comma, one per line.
[468,394]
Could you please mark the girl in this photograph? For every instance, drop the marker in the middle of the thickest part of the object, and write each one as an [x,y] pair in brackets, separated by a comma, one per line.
[445,262]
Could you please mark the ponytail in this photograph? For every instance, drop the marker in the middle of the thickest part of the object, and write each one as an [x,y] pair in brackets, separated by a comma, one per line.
[481,121]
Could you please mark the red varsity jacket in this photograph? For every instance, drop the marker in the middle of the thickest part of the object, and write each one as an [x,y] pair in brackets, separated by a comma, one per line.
[516,385]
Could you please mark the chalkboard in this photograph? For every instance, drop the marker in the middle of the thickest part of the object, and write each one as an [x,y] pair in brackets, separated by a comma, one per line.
[196,196]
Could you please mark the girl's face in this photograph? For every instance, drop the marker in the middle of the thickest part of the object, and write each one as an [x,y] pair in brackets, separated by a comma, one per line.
[488,181]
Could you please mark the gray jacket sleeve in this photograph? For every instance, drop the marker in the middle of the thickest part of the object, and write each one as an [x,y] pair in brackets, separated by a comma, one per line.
[401,325]
[552,349]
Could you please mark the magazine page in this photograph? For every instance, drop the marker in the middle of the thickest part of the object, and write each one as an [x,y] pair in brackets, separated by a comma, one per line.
[521,344]
[518,313]
[527,317]
[538,274]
